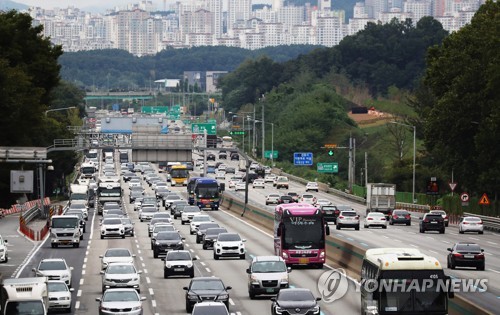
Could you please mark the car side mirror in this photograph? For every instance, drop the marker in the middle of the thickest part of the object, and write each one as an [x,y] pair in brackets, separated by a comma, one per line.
[98,299]
[102,272]
[163,259]
[449,249]
[139,272]
[71,268]
[143,298]
[482,250]
[243,240]
[185,288]
[71,289]
[327,229]
[194,258]
[133,255]
[318,299]
[101,256]
[5,241]
[273,299]
[34,269]
[229,287]
[249,271]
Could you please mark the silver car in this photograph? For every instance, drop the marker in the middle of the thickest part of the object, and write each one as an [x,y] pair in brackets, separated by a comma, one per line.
[120,301]
[118,275]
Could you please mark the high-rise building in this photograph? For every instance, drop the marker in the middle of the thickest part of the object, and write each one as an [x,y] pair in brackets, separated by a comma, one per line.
[239,11]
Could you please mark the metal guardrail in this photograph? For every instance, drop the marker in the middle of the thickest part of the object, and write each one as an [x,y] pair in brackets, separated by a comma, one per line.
[31,214]
[489,223]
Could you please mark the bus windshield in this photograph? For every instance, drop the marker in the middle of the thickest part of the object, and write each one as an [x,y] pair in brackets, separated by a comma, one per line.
[207,191]
[303,232]
[88,170]
[112,192]
[179,173]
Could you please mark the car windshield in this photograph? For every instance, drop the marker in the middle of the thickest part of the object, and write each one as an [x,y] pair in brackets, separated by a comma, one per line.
[349,213]
[120,296]
[468,248]
[163,228]
[117,253]
[295,295]
[472,219]
[207,285]
[342,207]
[210,310]
[52,265]
[201,218]
[120,269]
[376,214]
[269,266]
[149,209]
[168,236]
[77,206]
[178,256]
[229,237]
[307,196]
[191,209]
[57,286]
[400,212]
[111,221]
[214,232]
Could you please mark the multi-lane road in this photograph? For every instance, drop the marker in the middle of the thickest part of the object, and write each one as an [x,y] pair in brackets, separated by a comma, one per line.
[166,296]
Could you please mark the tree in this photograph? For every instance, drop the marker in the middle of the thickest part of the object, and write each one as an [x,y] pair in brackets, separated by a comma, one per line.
[462,126]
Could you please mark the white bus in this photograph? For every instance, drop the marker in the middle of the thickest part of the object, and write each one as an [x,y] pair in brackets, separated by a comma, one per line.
[403,281]
[227,142]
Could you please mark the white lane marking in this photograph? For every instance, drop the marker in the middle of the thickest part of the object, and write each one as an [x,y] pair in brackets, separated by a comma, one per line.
[496,271]
[83,272]
[414,245]
[446,242]
[474,238]
[148,280]
[81,281]
[192,250]
[79,293]
[151,292]
[85,261]
[433,251]
[385,236]
[430,237]
[202,263]
[208,269]
[364,244]
[153,302]
[77,304]
[197,257]
[231,302]
[492,243]
[187,245]
[145,270]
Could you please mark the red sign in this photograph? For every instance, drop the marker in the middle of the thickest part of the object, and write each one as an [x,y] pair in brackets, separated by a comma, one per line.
[484,200]
[464,197]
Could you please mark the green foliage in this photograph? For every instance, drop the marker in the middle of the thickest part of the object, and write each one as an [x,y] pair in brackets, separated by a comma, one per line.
[462,124]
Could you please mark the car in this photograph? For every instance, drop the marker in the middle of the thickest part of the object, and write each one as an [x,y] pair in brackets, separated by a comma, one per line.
[294,196]
[129,226]
[220,174]
[122,275]
[188,213]
[229,245]
[375,219]
[235,157]
[330,213]
[285,199]
[323,202]
[312,186]
[443,214]
[269,178]
[241,185]
[54,269]
[281,182]
[178,262]
[166,241]
[233,180]
[210,157]
[110,205]
[169,200]
[179,209]
[174,205]
[134,194]
[308,198]
[80,207]
[464,254]
[134,182]
[116,255]
[288,301]
[4,256]
[222,155]
[221,166]
[470,224]
[202,228]
[211,169]
[211,235]
[112,227]
[113,301]
[210,308]
[251,177]
[432,222]
[158,220]
[267,275]
[272,199]
[348,218]
[59,295]
[161,192]
[399,216]
[161,227]
[230,170]
[206,288]
[258,183]
[146,213]
[196,221]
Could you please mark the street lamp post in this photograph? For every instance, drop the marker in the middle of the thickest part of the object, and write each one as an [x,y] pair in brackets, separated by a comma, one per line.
[58,109]
[414,153]
[272,139]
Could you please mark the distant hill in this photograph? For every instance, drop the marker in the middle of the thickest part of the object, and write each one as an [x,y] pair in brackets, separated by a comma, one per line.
[7,5]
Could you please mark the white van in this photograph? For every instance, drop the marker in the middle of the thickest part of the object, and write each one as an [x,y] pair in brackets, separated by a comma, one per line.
[4,257]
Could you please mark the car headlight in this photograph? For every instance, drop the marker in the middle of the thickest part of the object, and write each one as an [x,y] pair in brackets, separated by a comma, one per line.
[136,308]
[157,243]
[223,297]
[316,309]
[64,298]
[218,244]
[284,279]
[189,265]
[254,280]
[64,276]
[192,297]
[322,255]
[168,265]
[285,255]
[135,278]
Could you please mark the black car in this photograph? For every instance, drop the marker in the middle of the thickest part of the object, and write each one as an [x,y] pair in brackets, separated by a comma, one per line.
[294,196]
[206,289]
[176,203]
[251,177]
[230,170]
[134,194]
[235,157]
[398,216]
[432,222]
[330,213]
[222,155]
[166,241]
[202,228]
[285,199]
[211,235]
[210,157]
[295,301]
[466,255]
[178,210]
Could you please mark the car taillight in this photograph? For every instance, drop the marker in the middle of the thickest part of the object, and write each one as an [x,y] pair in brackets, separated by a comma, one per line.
[426,220]
[407,216]
[479,256]
[369,219]
[445,217]
[394,216]
[337,212]
[465,222]
[457,255]
[356,217]
[383,219]
[341,217]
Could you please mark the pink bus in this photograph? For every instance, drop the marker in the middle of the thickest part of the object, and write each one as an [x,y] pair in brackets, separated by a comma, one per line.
[299,234]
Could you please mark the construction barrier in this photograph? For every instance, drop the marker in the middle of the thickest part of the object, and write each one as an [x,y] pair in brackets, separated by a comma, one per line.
[27,205]
[340,253]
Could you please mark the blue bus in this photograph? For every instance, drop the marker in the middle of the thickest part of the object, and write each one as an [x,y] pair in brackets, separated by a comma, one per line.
[206,193]
[190,189]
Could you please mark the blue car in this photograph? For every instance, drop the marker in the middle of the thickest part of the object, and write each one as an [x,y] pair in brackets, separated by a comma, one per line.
[210,169]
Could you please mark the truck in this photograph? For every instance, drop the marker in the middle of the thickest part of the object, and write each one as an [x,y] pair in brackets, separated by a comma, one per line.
[20,296]
[108,190]
[88,170]
[380,197]
[80,194]
[65,230]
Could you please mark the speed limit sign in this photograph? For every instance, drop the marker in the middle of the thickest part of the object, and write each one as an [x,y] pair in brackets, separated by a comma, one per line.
[464,197]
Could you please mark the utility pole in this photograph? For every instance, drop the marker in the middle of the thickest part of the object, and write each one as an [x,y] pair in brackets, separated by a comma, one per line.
[366,168]
[263,129]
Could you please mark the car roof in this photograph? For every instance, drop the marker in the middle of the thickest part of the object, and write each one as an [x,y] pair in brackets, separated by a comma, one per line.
[206,278]
[267,258]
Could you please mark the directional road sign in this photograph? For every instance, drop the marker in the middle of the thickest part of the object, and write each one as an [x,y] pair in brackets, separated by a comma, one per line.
[303,158]
[200,128]
[464,197]
[267,154]
[452,186]
[327,167]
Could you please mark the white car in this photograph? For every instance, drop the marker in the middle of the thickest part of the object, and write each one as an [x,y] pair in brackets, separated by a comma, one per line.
[471,224]
[134,183]
[112,255]
[122,275]
[272,199]
[195,222]
[443,214]
[146,213]
[222,167]
[117,299]
[220,174]
[308,198]
[59,295]
[239,186]
[54,269]
[188,213]
[233,181]
[178,262]
[323,202]
[348,218]
[112,227]
[312,186]
[375,219]
[258,183]
[4,256]
[270,178]
[229,245]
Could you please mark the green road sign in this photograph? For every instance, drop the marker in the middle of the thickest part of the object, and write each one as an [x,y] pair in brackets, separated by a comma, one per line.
[238,132]
[328,167]
[154,109]
[212,121]
[267,154]
[199,128]
[330,153]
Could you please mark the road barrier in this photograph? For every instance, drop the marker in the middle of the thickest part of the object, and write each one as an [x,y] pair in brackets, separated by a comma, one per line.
[339,252]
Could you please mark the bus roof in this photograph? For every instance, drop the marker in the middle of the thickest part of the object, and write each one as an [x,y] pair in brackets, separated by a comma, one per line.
[176,166]
[206,180]
[401,259]
[297,209]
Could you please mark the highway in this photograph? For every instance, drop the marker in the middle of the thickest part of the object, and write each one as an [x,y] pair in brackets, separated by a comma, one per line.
[166,296]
